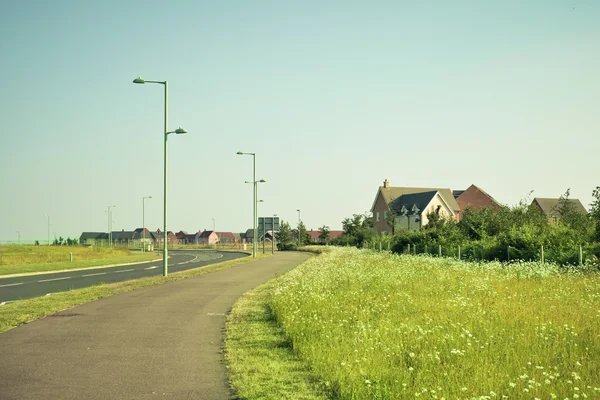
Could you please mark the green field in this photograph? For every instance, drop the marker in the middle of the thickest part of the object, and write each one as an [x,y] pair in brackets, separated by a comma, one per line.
[381,326]
[25,259]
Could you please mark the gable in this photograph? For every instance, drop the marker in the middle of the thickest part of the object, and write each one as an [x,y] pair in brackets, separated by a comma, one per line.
[475,197]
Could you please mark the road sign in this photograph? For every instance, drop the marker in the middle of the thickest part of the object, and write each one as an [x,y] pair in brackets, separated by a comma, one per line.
[266,224]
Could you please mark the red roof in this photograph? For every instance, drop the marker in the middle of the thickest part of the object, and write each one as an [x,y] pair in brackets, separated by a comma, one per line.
[225,235]
[332,234]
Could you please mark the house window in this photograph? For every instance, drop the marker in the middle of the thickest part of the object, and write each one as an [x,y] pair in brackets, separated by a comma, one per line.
[385,215]
[377,216]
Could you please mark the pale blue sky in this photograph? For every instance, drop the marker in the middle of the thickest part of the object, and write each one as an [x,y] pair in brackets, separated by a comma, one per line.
[334,97]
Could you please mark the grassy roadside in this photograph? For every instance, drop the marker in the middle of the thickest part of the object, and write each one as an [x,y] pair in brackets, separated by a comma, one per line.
[260,359]
[383,326]
[24,311]
[66,265]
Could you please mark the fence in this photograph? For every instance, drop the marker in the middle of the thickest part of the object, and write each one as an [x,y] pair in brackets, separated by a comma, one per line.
[563,255]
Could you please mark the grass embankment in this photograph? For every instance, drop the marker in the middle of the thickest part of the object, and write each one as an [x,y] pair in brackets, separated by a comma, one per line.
[26,259]
[259,357]
[382,326]
[20,312]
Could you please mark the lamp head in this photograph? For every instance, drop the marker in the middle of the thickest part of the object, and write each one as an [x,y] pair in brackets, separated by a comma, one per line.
[262,181]
[180,131]
[139,80]
[239,153]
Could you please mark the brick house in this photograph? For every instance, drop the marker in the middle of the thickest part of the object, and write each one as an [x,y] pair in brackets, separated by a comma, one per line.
[158,238]
[549,207]
[226,238]
[314,235]
[389,198]
[474,197]
[208,238]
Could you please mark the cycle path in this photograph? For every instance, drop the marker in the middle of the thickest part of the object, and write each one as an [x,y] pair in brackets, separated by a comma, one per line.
[157,342]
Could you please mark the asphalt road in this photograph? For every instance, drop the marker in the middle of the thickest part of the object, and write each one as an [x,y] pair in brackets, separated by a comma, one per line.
[158,342]
[28,286]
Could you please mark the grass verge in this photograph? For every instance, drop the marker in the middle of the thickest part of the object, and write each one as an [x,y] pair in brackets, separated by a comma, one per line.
[24,311]
[66,265]
[260,359]
[383,326]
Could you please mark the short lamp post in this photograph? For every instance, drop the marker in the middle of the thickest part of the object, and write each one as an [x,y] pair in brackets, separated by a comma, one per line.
[144,222]
[166,131]
[109,226]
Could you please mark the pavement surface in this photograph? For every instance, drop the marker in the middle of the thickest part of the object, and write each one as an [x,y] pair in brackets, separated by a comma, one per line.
[157,342]
[14,288]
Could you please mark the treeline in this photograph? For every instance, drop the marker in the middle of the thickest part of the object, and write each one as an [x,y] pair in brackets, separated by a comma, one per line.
[504,233]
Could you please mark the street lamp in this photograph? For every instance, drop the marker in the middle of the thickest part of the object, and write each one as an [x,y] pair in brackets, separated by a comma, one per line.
[144,222]
[298,226]
[239,153]
[177,131]
[109,226]
[19,235]
[213,224]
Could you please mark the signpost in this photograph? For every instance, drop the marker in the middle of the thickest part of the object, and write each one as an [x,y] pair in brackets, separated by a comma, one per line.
[266,224]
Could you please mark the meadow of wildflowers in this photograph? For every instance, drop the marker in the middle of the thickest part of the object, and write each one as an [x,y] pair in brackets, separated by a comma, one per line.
[382,326]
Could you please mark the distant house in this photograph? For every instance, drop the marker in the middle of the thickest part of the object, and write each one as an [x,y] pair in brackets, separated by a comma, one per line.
[550,207]
[475,198]
[226,237]
[208,238]
[314,235]
[249,235]
[412,210]
[93,238]
[389,198]
[158,238]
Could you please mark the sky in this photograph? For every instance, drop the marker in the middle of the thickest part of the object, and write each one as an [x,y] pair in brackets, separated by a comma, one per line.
[332,96]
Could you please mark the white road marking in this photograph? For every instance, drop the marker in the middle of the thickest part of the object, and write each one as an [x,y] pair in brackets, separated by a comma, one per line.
[12,284]
[100,273]
[151,267]
[215,313]
[55,279]
[124,270]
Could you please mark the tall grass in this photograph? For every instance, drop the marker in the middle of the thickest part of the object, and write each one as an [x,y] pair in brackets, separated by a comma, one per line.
[383,326]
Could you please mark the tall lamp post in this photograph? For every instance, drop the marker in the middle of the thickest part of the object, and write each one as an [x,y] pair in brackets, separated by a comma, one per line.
[144,222]
[109,226]
[298,226]
[178,131]
[19,235]
[254,230]
[239,153]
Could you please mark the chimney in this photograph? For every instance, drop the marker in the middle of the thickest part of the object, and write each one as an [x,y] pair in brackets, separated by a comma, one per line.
[386,184]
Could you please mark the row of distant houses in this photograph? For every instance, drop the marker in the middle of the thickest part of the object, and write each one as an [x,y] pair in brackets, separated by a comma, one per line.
[411,206]
[137,237]
[156,238]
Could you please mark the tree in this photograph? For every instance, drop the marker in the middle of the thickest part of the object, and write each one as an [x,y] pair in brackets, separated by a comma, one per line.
[595,212]
[37,242]
[324,233]
[284,237]
[303,236]
[357,230]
